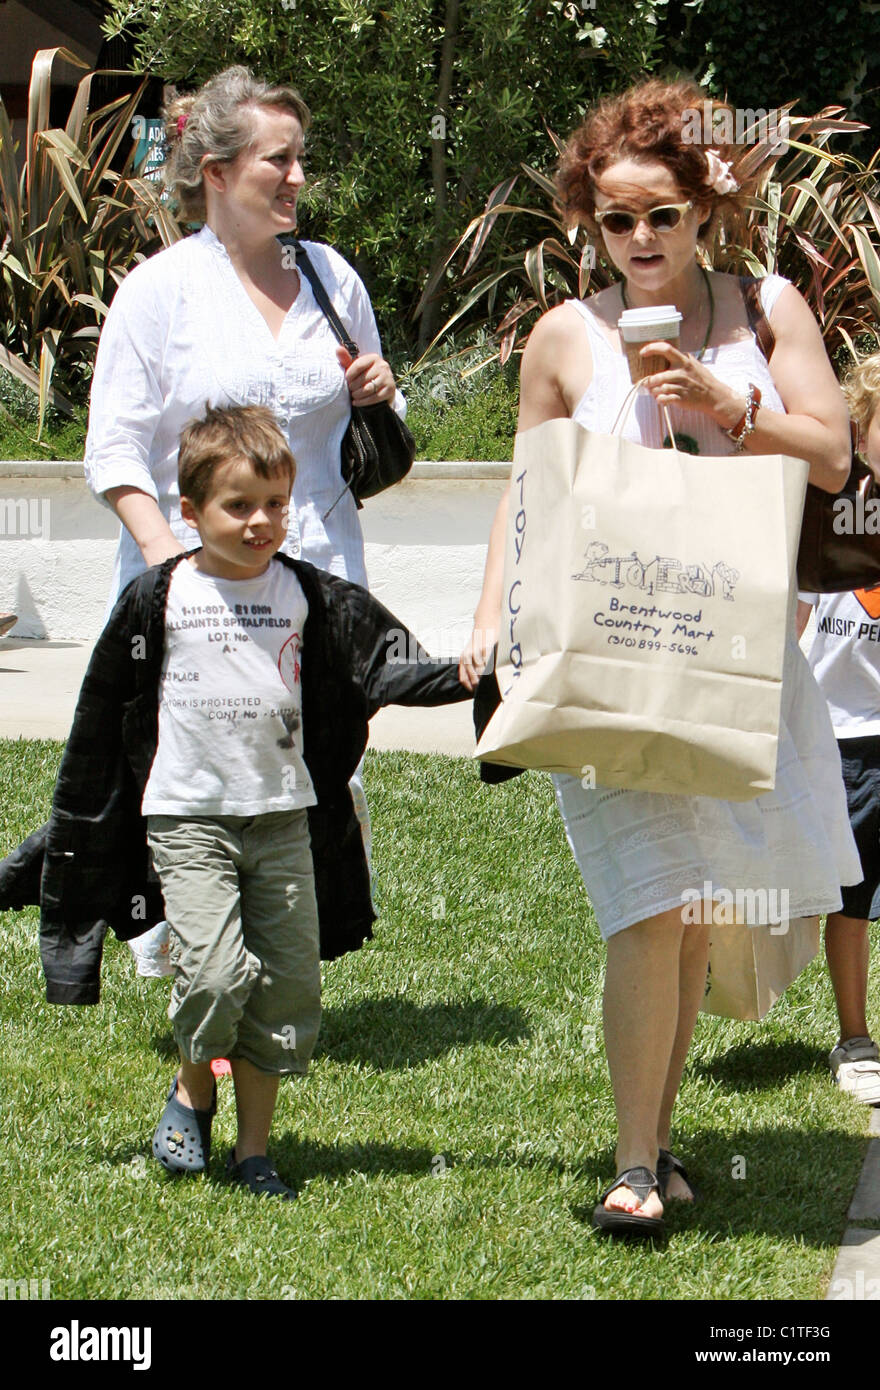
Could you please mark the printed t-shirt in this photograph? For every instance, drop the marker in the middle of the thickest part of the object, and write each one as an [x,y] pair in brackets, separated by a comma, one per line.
[230,707]
[845,657]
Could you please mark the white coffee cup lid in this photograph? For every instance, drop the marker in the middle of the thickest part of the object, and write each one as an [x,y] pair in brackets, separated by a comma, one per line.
[657,313]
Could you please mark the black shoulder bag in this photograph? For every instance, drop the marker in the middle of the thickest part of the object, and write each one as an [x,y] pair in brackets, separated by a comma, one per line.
[377,448]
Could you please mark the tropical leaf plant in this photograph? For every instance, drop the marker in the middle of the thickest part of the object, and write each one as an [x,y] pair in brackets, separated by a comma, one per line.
[74,219]
[814,217]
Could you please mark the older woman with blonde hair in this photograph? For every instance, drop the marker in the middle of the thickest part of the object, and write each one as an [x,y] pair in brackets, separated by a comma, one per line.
[634,175]
[224,317]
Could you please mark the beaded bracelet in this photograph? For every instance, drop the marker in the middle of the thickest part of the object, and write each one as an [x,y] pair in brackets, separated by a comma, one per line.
[745,426]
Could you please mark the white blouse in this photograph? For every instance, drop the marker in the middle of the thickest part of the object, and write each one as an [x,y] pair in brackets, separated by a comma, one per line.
[182,332]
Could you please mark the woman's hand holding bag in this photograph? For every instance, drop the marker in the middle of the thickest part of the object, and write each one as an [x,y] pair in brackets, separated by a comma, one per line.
[377,448]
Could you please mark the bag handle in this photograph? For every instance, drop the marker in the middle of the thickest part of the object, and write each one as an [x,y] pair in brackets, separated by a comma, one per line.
[323,299]
[626,407]
[750,286]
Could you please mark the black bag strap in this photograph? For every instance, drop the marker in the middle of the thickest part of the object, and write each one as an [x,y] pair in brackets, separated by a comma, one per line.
[323,299]
[750,285]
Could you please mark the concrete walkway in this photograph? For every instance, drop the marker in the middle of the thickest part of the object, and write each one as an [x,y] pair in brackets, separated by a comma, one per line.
[39,682]
[856,1274]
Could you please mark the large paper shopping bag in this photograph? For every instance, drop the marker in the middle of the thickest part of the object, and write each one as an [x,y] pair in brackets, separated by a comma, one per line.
[645,602]
[750,967]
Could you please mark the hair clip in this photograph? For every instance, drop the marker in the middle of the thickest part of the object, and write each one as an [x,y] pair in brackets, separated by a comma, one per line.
[721,180]
[181,122]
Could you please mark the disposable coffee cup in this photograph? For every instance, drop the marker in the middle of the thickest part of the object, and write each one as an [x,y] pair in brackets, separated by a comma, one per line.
[640,326]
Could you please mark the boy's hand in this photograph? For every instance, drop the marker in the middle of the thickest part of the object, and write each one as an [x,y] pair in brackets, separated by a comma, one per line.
[369,377]
[475,655]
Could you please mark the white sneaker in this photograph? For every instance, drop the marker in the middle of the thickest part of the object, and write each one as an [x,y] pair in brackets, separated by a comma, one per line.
[855,1066]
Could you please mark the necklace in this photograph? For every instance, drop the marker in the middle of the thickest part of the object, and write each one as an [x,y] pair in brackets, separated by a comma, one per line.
[698,355]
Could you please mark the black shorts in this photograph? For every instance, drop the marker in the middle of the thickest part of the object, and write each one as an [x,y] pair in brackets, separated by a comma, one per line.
[860,765]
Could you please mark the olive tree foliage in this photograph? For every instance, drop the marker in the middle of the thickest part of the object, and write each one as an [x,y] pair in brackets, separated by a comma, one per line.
[420,106]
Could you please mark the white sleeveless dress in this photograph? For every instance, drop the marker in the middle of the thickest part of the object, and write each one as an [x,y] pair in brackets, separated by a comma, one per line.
[639,852]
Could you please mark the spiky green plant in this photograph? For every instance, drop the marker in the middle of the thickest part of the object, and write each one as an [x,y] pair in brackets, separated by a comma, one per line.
[73,221]
[814,218]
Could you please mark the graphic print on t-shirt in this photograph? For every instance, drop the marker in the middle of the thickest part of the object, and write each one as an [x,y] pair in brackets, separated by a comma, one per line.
[230,709]
[289,671]
[288,661]
[845,657]
[870,601]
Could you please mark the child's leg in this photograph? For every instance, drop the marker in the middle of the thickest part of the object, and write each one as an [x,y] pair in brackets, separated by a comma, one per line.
[195,1083]
[255,1094]
[197,864]
[847,952]
[279,1026]
[855,1060]
[846,931]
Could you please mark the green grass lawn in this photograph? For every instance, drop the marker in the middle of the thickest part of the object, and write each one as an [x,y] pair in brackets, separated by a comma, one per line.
[457,1123]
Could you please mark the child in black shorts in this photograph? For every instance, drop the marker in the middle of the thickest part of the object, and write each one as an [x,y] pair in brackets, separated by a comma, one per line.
[845,658]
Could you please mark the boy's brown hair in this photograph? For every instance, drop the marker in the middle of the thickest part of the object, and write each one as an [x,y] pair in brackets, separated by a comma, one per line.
[226,433]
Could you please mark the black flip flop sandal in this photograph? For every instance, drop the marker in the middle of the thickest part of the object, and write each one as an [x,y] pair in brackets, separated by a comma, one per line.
[642,1182]
[182,1142]
[667,1164]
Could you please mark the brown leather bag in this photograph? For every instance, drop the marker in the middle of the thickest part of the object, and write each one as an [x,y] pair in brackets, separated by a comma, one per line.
[837,553]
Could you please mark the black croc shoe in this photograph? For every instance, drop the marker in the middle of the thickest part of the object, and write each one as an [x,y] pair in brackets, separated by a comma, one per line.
[258,1175]
[182,1142]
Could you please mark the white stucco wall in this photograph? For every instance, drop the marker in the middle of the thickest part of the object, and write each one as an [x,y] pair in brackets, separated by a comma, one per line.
[425,548]
[426,545]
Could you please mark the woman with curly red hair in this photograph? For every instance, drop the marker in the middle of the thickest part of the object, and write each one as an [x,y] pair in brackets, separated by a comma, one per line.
[635,176]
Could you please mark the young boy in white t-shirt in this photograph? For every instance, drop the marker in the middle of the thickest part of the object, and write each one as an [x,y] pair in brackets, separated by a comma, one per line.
[845,657]
[226,799]
[223,712]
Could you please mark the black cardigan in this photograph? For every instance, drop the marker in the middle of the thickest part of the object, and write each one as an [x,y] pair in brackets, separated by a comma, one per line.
[89,866]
